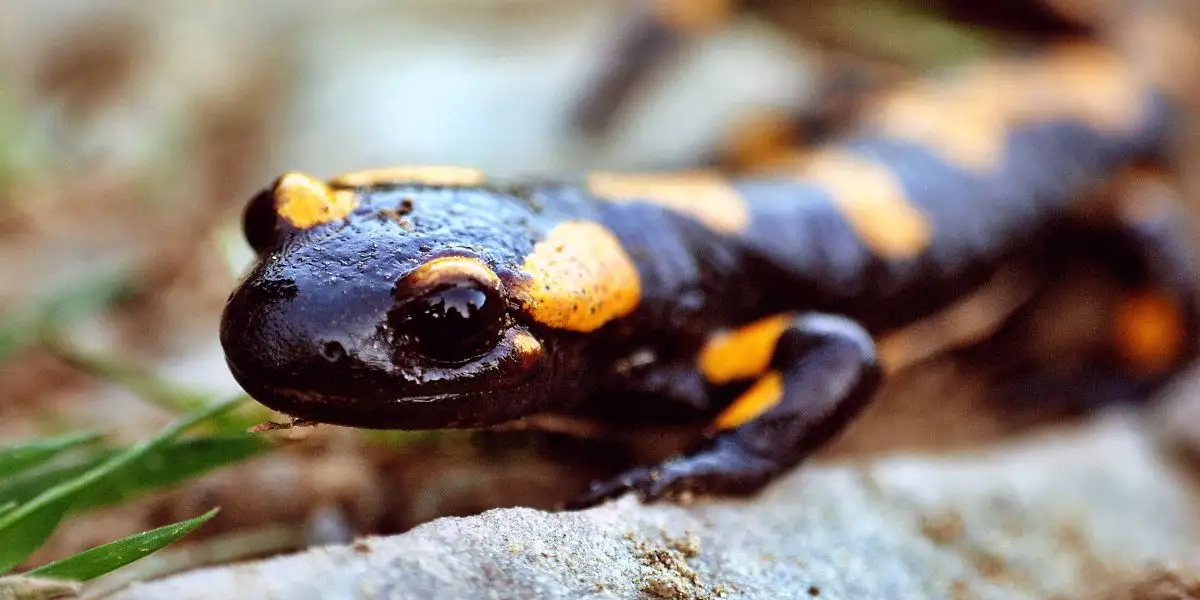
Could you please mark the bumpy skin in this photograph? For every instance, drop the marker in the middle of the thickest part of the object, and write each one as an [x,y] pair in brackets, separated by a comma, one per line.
[749,305]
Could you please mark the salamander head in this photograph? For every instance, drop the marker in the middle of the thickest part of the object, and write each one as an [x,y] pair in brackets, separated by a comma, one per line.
[397,305]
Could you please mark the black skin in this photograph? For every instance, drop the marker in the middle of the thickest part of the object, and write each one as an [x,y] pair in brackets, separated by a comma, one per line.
[319,327]
[829,371]
[329,327]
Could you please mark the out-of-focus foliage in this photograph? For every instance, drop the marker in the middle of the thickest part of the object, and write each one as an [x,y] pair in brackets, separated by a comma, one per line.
[46,479]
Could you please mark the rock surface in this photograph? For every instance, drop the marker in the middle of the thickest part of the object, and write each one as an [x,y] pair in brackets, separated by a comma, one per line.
[1060,515]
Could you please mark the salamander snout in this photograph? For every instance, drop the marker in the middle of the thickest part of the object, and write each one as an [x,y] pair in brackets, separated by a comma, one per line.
[365,310]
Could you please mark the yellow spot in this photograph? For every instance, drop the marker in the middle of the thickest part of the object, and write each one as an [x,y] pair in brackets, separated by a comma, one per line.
[761,397]
[693,15]
[873,201]
[783,165]
[705,196]
[964,120]
[307,202]
[742,353]
[761,140]
[422,175]
[579,278]
[527,348]
[1150,332]
[1082,81]
[450,268]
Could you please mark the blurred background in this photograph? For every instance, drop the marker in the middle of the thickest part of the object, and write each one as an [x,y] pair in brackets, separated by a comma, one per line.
[130,137]
[132,133]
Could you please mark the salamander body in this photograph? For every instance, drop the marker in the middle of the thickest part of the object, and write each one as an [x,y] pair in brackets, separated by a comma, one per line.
[429,297]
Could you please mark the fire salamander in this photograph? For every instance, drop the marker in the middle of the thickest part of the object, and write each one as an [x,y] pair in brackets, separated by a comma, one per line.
[427,297]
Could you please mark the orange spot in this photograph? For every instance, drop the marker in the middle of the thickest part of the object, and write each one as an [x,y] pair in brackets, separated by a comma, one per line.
[785,164]
[1082,81]
[422,175]
[761,140]
[761,397]
[579,278]
[1150,332]
[872,200]
[706,197]
[307,202]
[742,353]
[964,120]
[527,347]
[693,15]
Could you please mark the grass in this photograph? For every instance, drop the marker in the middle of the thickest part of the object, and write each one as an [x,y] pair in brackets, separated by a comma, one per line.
[45,480]
[58,310]
[100,560]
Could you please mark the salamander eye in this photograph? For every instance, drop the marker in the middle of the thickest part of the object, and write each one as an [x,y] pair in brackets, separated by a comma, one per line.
[450,309]
[456,321]
[260,223]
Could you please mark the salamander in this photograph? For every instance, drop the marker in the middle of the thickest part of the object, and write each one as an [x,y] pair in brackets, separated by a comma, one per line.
[431,297]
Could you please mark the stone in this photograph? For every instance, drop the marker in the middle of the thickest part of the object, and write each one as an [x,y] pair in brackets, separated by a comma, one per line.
[1051,515]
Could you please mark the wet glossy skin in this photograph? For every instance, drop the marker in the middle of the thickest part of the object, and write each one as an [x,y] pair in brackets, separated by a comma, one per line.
[422,298]
[322,326]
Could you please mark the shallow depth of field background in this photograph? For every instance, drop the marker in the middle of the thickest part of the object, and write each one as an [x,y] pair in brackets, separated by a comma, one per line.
[131,134]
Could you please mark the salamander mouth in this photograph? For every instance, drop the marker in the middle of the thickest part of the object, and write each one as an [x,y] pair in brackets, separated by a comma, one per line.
[446,410]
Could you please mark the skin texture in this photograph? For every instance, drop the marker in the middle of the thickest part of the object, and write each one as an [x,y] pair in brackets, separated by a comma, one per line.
[445,302]
[580,278]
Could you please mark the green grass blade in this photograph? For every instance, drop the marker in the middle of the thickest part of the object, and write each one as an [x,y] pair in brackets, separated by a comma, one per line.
[26,535]
[59,309]
[86,298]
[142,381]
[20,457]
[26,485]
[175,463]
[16,332]
[13,531]
[97,561]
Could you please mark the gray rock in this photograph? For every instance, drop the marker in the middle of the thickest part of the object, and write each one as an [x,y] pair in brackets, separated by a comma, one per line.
[1043,517]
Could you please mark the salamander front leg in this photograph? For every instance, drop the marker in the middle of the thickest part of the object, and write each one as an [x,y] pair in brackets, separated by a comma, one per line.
[822,371]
